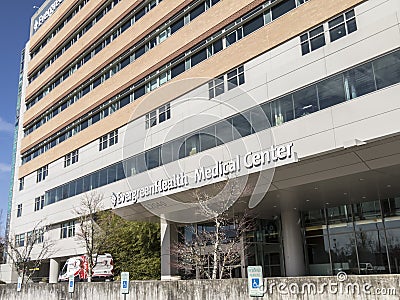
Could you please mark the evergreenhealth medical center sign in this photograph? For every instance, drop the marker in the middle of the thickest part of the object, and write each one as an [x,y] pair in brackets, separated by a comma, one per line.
[44,14]
[236,166]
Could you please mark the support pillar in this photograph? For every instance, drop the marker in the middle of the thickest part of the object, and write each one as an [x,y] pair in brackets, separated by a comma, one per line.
[53,271]
[169,235]
[293,243]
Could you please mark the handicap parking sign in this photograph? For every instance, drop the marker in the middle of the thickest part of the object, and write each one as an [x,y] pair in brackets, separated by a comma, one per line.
[124,282]
[71,284]
[255,281]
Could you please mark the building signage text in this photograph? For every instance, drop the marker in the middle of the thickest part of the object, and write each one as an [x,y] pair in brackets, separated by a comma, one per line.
[250,160]
[48,12]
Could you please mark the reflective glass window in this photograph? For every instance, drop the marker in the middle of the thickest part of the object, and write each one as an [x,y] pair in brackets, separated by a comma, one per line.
[387,70]
[331,91]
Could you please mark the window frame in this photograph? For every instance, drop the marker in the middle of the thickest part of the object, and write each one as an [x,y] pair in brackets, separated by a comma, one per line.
[42,173]
[67,229]
[348,17]
[19,210]
[71,158]
[308,37]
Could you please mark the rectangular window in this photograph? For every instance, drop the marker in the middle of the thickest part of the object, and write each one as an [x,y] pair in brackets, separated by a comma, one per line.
[21,183]
[216,87]
[39,235]
[359,81]
[197,11]
[305,101]
[103,142]
[331,91]
[42,173]
[234,36]
[19,210]
[20,240]
[152,158]
[282,8]
[151,119]
[67,229]
[71,158]
[253,25]
[113,138]
[198,57]
[342,25]
[235,77]
[177,25]
[282,110]
[108,140]
[312,40]
[39,203]
[164,113]
[387,70]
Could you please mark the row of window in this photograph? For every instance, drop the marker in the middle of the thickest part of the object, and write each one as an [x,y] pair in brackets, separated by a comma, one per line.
[158,116]
[368,77]
[72,40]
[95,48]
[338,27]
[67,230]
[105,141]
[167,72]
[39,204]
[58,27]
[32,237]
[118,64]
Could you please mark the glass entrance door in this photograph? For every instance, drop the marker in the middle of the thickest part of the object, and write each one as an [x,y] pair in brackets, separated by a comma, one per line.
[264,248]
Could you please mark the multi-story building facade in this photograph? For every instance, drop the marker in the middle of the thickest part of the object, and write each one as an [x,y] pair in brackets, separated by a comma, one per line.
[143,101]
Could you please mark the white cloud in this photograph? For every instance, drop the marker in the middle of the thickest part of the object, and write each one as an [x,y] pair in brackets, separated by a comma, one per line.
[5,126]
[4,167]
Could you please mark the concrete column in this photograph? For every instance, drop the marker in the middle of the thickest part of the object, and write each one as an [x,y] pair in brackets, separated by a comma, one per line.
[169,235]
[293,243]
[53,271]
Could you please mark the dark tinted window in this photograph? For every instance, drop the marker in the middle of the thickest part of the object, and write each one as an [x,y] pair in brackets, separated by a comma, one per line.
[197,11]
[199,57]
[253,25]
[331,91]
[359,81]
[387,70]
[177,25]
[305,101]
[282,8]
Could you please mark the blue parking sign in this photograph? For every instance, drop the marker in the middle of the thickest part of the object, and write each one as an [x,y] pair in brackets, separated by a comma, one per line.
[124,282]
[255,281]
[71,283]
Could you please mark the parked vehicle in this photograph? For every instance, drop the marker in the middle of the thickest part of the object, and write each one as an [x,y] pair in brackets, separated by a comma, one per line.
[78,266]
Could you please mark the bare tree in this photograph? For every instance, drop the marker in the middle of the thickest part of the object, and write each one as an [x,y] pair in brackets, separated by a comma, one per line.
[28,253]
[213,252]
[90,234]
